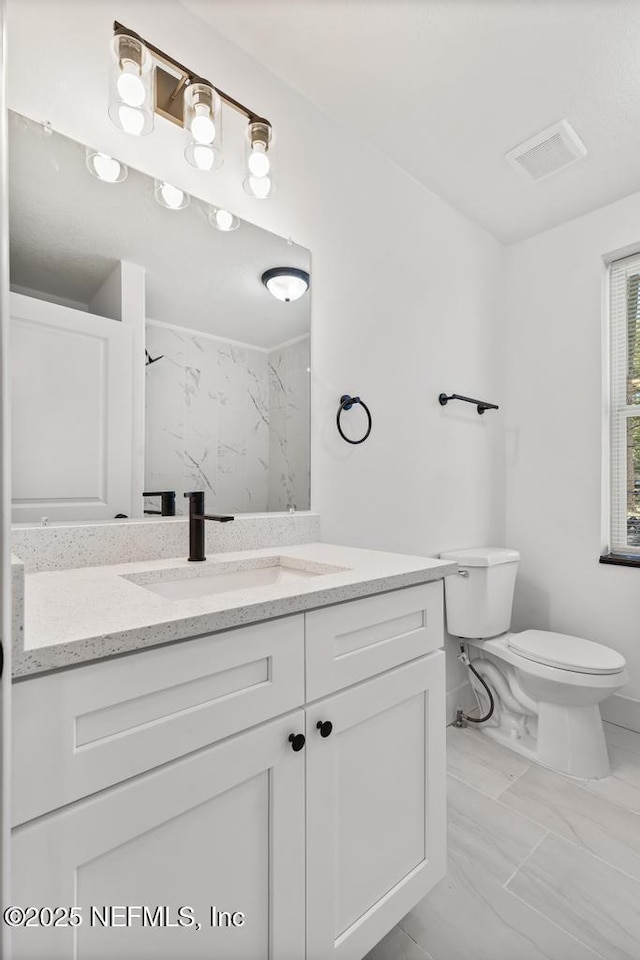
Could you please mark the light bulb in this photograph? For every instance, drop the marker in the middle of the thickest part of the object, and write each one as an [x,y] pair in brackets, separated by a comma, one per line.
[203,129]
[130,86]
[106,168]
[131,119]
[259,163]
[224,220]
[203,156]
[259,187]
[172,196]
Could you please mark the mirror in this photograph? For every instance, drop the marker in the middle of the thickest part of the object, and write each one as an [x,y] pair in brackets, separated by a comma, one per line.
[147,353]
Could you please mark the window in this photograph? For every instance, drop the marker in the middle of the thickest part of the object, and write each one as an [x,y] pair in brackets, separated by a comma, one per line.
[624,426]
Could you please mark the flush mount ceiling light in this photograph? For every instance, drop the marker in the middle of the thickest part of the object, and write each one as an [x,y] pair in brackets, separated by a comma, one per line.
[286,283]
[104,167]
[173,198]
[223,220]
[145,81]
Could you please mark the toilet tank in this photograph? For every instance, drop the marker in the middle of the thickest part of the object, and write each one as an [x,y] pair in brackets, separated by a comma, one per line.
[479,605]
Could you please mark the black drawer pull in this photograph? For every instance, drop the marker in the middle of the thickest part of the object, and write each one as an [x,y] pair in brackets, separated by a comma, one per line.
[297,741]
[325,727]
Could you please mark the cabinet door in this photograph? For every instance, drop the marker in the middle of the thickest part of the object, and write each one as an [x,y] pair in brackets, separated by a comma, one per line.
[222,828]
[375,807]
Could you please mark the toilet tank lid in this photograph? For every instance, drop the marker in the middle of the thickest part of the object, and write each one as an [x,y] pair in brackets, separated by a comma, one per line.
[481,556]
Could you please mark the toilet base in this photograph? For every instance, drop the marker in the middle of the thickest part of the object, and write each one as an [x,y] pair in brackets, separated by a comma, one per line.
[570,740]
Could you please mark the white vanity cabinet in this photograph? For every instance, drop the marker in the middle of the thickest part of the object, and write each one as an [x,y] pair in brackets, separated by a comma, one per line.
[376,820]
[221,828]
[169,801]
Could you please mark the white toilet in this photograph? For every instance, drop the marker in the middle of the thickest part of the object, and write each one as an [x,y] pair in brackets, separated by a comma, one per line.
[547,687]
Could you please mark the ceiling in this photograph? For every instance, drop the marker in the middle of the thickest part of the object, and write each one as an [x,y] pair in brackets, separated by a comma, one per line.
[68,230]
[446,87]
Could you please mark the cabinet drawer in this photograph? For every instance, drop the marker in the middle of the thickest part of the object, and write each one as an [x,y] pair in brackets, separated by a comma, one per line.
[78,731]
[353,641]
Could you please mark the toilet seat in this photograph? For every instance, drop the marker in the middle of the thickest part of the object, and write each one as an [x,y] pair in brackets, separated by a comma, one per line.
[565,652]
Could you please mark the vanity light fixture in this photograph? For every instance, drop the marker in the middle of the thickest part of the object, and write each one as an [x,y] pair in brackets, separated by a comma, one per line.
[104,167]
[258,181]
[173,198]
[286,283]
[130,90]
[223,220]
[203,126]
[145,80]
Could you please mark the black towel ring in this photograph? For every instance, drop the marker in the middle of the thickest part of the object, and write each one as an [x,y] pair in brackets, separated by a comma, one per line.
[346,402]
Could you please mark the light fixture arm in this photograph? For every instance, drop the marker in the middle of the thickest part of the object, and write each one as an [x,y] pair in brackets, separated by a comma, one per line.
[187,77]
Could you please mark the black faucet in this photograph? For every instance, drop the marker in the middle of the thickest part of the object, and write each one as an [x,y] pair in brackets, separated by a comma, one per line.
[197,517]
[168,502]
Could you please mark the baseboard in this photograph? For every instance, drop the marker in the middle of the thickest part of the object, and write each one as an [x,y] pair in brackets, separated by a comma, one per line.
[623,711]
[461,696]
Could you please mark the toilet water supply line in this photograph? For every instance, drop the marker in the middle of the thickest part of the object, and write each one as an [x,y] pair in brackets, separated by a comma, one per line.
[507,688]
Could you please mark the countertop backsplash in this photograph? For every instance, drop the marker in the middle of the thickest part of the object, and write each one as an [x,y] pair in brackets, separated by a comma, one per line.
[68,546]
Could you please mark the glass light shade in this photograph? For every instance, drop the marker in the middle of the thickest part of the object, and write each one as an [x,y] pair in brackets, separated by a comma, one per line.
[258,160]
[104,167]
[173,198]
[286,283]
[203,126]
[223,220]
[130,86]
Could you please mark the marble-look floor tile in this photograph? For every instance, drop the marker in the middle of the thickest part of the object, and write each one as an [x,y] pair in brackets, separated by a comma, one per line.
[623,786]
[397,945]
[583,895]
[481,830]
[607,830]
[481,762]
[469,916]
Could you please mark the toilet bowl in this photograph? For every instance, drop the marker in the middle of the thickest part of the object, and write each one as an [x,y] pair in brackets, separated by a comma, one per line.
[547,687]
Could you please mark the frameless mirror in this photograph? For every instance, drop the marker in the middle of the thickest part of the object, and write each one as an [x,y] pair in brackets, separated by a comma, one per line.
[148,355]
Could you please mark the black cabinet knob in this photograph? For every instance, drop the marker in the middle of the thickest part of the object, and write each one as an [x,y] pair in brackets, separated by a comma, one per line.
[297,741]
[325,727]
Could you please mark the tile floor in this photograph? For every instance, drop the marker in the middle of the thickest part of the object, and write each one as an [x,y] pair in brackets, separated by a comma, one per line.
[541,867]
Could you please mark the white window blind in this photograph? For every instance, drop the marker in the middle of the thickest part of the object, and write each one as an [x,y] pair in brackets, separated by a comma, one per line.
[624,429]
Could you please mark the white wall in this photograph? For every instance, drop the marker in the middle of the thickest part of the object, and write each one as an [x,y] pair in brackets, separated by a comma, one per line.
[554,423]
[406,291]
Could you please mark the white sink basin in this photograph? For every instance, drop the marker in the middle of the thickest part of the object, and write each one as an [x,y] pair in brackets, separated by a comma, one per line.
[180,583]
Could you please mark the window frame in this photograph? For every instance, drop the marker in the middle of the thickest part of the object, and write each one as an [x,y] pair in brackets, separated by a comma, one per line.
[618,268]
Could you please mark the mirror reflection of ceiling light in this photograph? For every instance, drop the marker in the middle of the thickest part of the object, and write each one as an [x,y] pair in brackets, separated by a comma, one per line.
[223,220]
[145,80]
[286,283]
[173,198]
[105,167]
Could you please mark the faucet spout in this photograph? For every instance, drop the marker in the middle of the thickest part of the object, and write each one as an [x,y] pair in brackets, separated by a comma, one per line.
[197,517]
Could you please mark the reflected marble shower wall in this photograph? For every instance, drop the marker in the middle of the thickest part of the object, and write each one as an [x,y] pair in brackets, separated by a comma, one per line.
[289,426]
[208,409]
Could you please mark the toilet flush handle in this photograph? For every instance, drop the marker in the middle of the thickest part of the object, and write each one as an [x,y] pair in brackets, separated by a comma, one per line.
[463,573]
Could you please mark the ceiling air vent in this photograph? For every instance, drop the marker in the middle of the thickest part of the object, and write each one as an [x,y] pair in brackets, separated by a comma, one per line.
[550,150]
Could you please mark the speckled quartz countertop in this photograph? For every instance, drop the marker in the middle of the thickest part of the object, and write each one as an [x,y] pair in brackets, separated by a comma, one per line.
[75,616]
